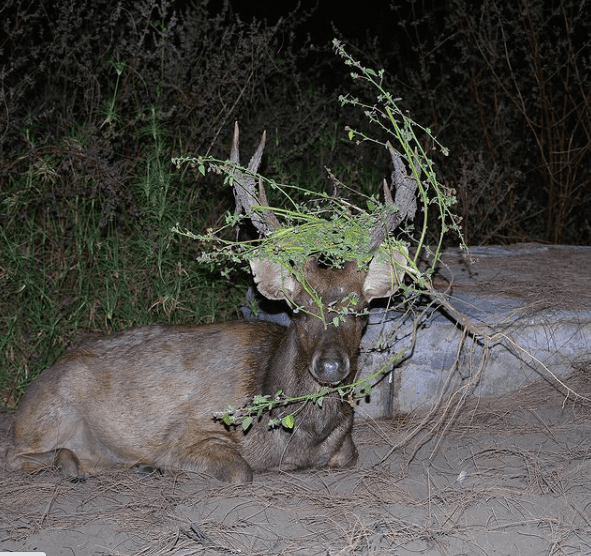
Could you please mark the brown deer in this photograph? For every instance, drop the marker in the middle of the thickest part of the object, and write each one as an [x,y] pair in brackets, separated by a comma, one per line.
[146,396]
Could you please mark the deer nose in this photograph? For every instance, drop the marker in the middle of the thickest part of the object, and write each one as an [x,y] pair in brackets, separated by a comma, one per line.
[331,367]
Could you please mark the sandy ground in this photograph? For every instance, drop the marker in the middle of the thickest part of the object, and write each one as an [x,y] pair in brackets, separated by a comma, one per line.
[506,477]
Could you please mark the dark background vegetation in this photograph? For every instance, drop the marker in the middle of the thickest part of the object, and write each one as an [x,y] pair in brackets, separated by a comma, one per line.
[96,96]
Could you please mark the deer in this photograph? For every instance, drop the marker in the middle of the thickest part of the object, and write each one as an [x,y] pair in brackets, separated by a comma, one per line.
[147,397]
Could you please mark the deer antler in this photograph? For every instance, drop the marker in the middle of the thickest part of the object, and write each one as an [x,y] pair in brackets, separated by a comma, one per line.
[245,188]
[405,201]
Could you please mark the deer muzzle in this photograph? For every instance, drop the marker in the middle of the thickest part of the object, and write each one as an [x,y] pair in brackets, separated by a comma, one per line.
[330,366]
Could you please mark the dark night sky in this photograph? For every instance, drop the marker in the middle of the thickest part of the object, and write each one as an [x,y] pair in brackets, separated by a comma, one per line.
[352,19]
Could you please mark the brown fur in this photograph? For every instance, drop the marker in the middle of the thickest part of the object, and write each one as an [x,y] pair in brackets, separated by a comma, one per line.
[146,396]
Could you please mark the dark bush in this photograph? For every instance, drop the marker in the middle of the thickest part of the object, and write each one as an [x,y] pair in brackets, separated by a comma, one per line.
[97,96]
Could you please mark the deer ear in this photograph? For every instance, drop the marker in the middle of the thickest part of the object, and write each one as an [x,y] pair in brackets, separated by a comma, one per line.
[384,277]
[273,280]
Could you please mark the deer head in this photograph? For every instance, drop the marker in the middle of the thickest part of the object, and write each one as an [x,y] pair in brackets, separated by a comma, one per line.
[329,303]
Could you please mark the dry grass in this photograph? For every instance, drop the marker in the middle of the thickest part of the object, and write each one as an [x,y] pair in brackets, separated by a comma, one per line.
[525,461]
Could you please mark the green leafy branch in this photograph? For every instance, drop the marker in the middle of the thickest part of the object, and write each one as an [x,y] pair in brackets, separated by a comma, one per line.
[397,124]
[245,417]
[325,227]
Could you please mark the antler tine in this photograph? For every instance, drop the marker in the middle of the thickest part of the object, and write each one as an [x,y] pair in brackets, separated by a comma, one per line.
[405,201]
[245,187]
[387,194]
[255,161]
[271,218]
[235,152]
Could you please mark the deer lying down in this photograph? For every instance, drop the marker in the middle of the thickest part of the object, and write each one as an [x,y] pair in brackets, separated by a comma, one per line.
[147,396]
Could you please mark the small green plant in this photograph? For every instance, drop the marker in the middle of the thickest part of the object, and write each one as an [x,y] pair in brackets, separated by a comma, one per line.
[398,125]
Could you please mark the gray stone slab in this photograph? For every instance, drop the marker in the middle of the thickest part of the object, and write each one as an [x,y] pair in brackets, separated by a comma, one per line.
[535,300]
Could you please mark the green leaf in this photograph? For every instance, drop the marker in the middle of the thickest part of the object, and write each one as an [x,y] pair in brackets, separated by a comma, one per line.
[288,421]
[246,423]
[260,400]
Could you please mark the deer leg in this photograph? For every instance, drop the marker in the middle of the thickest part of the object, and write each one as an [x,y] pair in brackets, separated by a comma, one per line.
[68,464]
[216,457]
[71,447]
[30,462]
[346,455]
